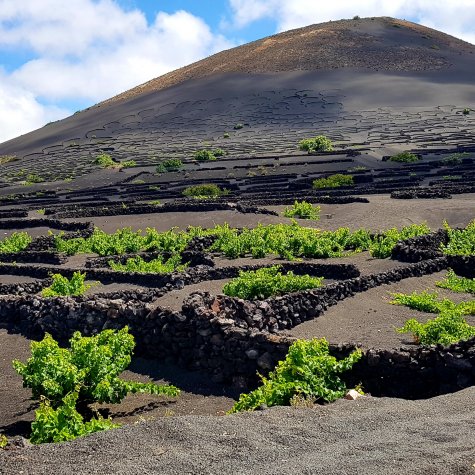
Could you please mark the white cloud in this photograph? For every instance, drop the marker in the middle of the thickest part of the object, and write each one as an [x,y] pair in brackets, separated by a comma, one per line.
[455,17]
[21,112]
[90,50]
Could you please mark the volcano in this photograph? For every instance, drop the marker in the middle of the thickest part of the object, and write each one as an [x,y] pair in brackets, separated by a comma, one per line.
[377,83]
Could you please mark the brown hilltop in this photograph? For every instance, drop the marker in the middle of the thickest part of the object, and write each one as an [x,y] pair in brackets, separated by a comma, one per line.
[377,44]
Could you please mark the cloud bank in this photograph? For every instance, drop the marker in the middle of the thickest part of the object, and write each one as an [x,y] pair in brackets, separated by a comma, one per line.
[86,50]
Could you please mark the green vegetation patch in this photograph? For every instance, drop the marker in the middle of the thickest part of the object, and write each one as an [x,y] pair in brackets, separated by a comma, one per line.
[169,165]
[63,287]
[445,329]
[461,242]
[104,160]
[206,155]
[125,241]
[16,242]
[333,181]
[430,302]
[404,157]
[291,241]
[208,190]
[303,210]
[457,284]
[128,164]
[308,371]
[448,327]
[154,266]
[321,143]
[269,281]
[66,380]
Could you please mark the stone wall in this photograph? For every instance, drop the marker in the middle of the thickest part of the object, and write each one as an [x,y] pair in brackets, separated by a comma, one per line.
[232,339]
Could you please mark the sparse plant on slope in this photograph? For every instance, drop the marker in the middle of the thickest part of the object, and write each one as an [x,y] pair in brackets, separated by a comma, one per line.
[454,158]
[303,210]
[404,157]
[208,190]
[67,380]
[33,178]
[308,371]
[16,242]
[128,164]
[104,160]
[170,165]
[265,282]
[208,155]
[63,287]
[317,144]
[466,111]
[333,181]
[155,266]
[457,284]
[7,159]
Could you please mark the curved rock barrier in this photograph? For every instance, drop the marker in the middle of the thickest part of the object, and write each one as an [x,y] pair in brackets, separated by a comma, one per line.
[420,248]
[178,280]
[43,257]
[233,339]
[114,209]
[13,213]
[420,194]
[43,222]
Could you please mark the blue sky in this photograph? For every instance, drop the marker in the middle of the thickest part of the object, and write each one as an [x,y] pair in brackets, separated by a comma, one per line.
[59,56]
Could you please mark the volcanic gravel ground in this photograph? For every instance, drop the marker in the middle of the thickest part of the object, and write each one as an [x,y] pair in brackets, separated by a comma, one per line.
[368,436]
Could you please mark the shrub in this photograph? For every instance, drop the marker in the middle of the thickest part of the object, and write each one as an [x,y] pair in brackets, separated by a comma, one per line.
[308,371]
[263,283]
[449,327]
[32,178]
[303,210]
[333,181]
[7,159]
[466,111]
[62,286]
[67,380]
[16,242]
[219,152]
[204,155]
[155,266]
[404,157]
[128,164]
[226,135]
[208,190]
[454,158]
[3,441]
[461,242]
[104,160]
[457,284]
[170,165]
[317,144]
[238,126]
